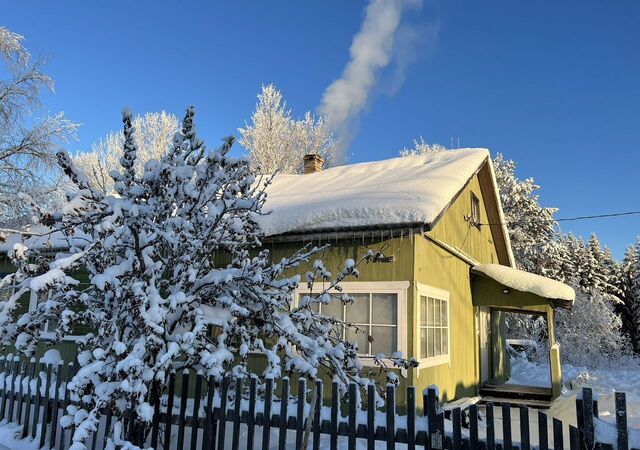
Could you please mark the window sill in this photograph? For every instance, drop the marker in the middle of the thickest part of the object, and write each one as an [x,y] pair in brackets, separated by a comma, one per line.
[49,337]
[434,361]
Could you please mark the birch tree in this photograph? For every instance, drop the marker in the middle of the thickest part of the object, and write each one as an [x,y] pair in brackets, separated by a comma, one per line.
[28,142]
[153,137]
[276,142]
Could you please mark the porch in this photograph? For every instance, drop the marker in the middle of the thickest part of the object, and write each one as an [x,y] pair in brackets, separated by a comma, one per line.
[499,291]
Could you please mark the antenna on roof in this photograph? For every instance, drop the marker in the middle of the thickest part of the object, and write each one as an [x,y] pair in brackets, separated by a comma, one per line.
[458,142]
[451,141]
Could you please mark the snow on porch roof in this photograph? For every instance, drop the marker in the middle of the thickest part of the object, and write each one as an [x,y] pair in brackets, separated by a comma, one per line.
[528,282]
[399,191]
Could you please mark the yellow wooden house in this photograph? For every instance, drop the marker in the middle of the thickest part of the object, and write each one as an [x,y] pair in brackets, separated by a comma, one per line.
[449,277]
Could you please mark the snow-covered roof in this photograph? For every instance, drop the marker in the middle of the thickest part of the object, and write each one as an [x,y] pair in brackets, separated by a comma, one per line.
[399,191]
[527,282]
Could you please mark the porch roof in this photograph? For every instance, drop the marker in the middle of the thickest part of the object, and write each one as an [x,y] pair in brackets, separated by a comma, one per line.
[558,294]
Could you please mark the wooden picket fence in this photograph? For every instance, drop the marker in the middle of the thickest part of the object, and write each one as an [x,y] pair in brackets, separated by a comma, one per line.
[204,416]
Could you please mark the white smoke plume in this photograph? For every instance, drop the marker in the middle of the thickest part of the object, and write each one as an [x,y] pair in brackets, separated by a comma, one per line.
[371,51]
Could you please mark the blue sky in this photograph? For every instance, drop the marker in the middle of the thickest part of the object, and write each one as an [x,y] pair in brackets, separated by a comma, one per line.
[553,85]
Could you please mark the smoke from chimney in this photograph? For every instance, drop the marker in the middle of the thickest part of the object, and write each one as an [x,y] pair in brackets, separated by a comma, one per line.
[371,51]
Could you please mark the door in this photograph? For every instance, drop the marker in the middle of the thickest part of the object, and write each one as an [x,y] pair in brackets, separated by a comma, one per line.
[483,329]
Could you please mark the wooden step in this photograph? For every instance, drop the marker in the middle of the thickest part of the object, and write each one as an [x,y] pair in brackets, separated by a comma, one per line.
[516,392]
[537,404]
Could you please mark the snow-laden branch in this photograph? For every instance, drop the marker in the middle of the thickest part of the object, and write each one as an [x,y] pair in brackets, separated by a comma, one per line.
[176,279]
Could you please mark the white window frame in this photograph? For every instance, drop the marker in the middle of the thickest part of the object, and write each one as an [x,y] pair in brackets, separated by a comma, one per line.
[476,210]
[13,287]
[48,335]
[373,287]
[433,292]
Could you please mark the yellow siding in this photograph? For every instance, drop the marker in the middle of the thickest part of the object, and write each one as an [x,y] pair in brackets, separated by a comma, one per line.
[439,268]
[454,230]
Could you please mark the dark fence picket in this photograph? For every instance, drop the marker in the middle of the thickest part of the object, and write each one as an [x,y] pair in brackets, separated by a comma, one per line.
[107,427]
[237,412]
[587,418]
[36,405]
[3,387]
[371,416]
[391,416]
[74,370]
[60,373]
[222,423]
[491,431]
[27,411]
[65,403]
[284,414]
[456,418]
[525,435]
[195,416]
[317,417]
[46,404]
[353,424]
[543,435]
[155,426]
[208,414]
[473,427]
[574,438]
[251,418]
[266,416]
[621,421]
[13,394]
[168,424]
[23,375]
[431,401]
[558,438]
[333,430]
[302,391]
[184,397]
[507,443]
[411,417]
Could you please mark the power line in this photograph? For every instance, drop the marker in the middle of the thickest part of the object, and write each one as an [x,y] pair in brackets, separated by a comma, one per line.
[570,219]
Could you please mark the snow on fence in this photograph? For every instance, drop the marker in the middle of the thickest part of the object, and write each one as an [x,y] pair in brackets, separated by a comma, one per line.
[34,395]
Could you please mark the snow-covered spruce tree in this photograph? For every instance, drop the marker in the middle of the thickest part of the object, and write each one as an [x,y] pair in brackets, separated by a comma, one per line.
[157,286]
[422,147]
[275,141]
[628,283]
[591,330]
[531,227]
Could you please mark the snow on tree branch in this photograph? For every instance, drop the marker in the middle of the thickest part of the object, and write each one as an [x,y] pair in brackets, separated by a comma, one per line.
[276,142]
[27,144]
[177,279]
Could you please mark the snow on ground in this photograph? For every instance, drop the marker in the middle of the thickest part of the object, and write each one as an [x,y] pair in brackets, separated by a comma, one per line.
[10,438]
[624,376]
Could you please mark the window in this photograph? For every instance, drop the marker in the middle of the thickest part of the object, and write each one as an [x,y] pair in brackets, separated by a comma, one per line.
[51,326]
[434,325]
[376,310]
[475,211]
[7,291]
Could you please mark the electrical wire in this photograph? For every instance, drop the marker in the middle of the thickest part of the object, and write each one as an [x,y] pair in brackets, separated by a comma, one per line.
[570,219]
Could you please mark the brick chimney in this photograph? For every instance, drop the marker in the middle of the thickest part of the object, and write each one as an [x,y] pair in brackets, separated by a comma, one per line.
[313,163]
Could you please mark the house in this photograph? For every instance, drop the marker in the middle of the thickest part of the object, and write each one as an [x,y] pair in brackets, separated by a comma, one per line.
[451,279]
[448,281]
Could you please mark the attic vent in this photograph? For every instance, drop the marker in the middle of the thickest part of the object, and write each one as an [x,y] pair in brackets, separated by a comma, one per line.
[313,163]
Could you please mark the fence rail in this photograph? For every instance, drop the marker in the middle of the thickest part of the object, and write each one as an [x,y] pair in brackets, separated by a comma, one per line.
[237,414]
